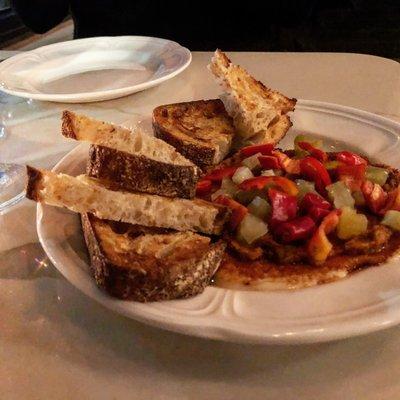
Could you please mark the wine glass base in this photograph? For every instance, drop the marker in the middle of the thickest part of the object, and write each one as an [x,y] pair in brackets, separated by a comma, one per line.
[12,184]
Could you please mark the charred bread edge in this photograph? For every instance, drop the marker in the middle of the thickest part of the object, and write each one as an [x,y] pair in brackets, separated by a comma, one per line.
[133,285]
[34,178]
[139,173]
[201,155]
[67,129]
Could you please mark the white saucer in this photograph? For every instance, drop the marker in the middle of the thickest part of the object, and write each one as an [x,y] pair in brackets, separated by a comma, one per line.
[93,69]
[366,301]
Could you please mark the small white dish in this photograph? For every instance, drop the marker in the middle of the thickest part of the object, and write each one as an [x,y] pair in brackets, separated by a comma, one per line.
[366,301]
[93,69]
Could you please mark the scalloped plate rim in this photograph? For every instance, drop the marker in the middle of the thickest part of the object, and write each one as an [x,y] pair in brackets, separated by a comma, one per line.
[231,330]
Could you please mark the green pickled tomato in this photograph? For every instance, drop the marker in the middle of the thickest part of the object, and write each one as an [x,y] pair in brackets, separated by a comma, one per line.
[392,219]
[340,195]
[376,174]
[351,224]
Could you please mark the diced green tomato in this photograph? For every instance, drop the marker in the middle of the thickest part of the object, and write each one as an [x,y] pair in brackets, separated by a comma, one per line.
[358,198]
[376,175]
[340,194]
[317,143]
[300,153]
[351,224]
[229,187]
[219,192]
[251,228]
[268,172]
[252,161]
[259,207]
[304,188]
[241,174]
[331,164]
[392,219]
[246,196]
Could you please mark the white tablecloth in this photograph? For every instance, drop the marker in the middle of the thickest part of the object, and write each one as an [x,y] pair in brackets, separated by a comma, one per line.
[56,343]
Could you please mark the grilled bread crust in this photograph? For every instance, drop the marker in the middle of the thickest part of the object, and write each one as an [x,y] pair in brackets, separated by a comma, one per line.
[83,194]
[259,113]
[132,161]
[137,173]
[201,130]
[163,274]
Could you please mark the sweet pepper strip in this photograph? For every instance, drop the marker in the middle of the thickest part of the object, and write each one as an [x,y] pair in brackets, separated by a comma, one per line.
[313,170]
[269,162]
[259,182]
[312,200]
[219,174]
[238,210]
[283,207]
[352,175]
[318,214]
[374,195]
[392,201]
[319,246]
[289,165]
[314,152]
[350,158]
[264,149]
[300,228]
[203,187]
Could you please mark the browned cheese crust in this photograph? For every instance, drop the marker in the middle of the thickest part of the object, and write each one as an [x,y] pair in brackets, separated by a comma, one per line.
[144,277]
[139,173]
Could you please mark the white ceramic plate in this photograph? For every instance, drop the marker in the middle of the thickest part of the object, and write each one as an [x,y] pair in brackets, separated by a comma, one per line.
[364,302]
[93,69]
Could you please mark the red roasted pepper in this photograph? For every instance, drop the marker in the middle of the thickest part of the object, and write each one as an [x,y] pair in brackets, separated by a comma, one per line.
[284,206]
[203,187]
[238,210]
[315,206]
[374,195]
[290,165]
[300,228]
[318,214]
[314,152]
[357,172]
[319,246]
[350,158]
[312,200]
[269,162]
[352,175]
[264,149]
[259,182]
[220,173]
[314,170]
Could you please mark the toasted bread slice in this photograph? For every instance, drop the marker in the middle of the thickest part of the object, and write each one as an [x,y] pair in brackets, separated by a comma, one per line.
[258,112]
[83,194]
[132,160]
[200,130]
[149,264]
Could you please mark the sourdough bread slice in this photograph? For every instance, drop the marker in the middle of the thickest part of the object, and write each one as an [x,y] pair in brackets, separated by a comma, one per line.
[259,113]
[133,161]
[149,264]
[84,194]
[141,174]
[200,130]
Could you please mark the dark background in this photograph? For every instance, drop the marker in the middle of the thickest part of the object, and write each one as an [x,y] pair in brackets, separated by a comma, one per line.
[360,26]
